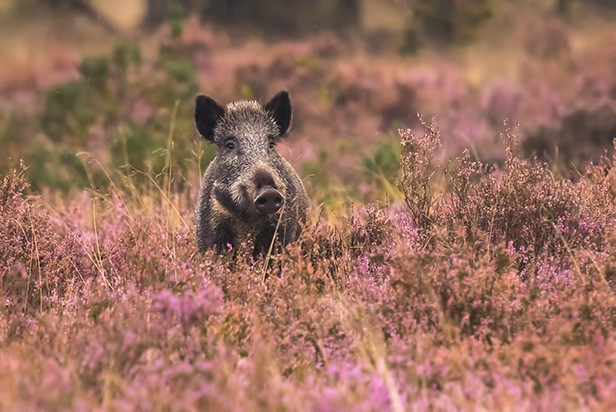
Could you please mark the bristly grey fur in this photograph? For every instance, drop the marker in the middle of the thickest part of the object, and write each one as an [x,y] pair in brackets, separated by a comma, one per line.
[225,213]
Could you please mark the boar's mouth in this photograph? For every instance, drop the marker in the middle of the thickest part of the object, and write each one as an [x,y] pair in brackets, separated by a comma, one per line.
[236,204]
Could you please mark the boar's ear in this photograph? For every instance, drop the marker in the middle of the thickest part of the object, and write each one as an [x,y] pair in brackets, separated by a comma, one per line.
[207,114]
[280,109]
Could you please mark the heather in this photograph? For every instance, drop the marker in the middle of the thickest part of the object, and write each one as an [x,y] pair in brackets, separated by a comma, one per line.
[460,250]
[497,293]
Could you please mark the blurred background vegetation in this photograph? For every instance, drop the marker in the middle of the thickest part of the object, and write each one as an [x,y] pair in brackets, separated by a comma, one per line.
[100,93]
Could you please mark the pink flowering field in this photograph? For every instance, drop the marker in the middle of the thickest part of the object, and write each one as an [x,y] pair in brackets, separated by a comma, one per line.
[498,293]
[460,248]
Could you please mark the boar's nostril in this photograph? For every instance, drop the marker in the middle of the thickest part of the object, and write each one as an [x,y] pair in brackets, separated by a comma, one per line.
[269,201]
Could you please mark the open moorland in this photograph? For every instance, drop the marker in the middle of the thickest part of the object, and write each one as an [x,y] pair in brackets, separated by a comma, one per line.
[460,248]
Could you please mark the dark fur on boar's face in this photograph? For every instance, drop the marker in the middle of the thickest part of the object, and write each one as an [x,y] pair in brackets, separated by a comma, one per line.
[248,184]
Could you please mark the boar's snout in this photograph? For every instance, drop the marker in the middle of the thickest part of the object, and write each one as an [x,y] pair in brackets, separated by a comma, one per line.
[269,201]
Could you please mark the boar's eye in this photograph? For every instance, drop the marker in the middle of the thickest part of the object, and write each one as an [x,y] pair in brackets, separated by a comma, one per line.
[230,145]
[272,144]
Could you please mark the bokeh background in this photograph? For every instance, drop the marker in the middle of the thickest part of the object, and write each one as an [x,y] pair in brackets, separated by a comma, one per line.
[100,93]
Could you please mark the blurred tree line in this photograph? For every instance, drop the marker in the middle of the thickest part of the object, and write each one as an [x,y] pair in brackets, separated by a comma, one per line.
[274,17]
[445,21]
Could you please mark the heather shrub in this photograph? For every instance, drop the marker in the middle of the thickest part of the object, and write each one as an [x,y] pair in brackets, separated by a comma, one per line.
[486,283]
[417,172]
[361,314]
[523,219]
[461,293]
[524,205]
[38,265]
